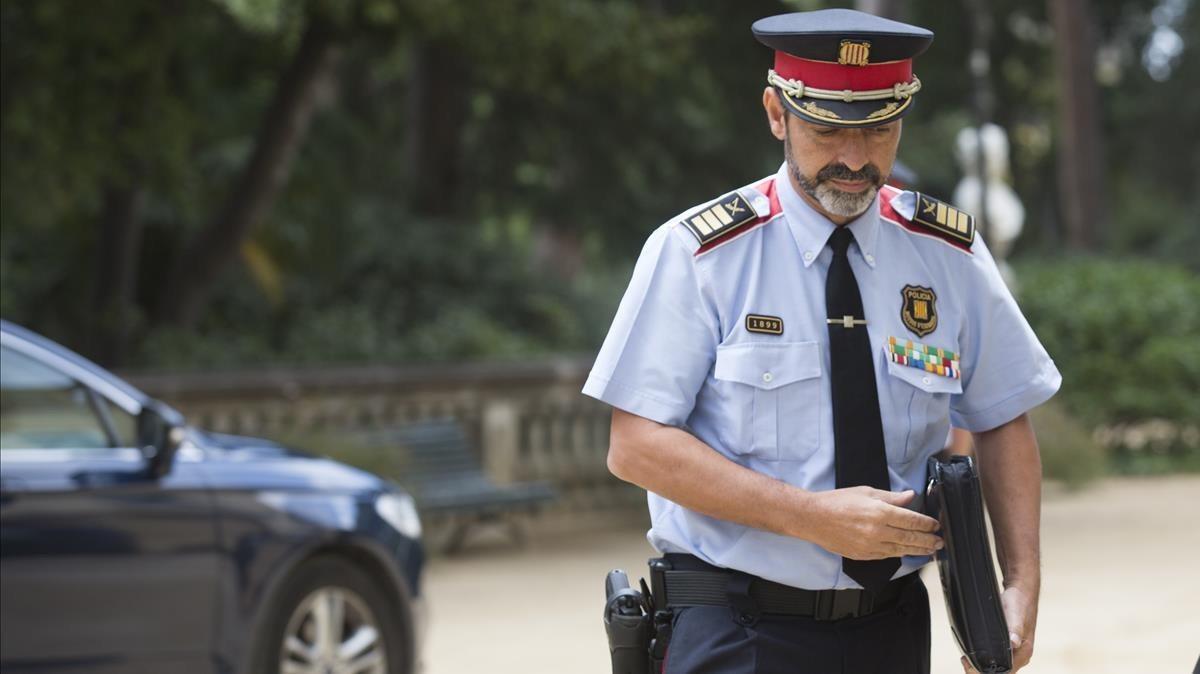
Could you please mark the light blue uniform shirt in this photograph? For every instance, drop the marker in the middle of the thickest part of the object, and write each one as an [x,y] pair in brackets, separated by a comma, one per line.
[679,352]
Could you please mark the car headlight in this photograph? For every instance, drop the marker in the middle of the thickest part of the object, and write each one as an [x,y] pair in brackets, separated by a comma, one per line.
[398,510]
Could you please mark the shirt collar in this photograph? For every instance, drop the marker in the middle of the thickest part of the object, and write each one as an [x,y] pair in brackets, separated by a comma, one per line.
[811,230]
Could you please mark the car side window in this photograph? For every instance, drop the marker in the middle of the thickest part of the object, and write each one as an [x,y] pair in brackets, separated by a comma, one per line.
[124,424]
[42,408]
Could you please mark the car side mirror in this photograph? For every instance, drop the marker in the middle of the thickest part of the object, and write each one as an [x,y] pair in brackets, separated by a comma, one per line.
[160,432]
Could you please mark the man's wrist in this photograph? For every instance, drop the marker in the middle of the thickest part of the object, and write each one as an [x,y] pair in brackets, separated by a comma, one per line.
[806,512]
[1028,582]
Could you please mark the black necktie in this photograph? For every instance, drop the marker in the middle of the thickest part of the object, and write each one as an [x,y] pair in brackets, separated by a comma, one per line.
[860,458]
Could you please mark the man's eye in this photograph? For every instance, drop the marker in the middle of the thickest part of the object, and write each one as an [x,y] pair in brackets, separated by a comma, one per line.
[826,132]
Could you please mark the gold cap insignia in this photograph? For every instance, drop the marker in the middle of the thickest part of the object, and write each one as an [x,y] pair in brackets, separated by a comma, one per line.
[919,310]
[854,53]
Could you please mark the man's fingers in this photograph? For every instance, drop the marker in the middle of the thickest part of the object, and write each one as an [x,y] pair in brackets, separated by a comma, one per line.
[1022,651]
[896,498]
[896,550]
[915,538]
[927,543]
[902,518]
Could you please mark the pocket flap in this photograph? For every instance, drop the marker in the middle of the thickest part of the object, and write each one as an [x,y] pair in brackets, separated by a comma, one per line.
[930,382]
[768,366]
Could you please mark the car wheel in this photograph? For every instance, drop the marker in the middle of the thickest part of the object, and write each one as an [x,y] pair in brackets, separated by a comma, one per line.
[332,618]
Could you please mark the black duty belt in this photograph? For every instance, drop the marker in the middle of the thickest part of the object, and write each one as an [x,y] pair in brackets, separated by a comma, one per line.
[689,581]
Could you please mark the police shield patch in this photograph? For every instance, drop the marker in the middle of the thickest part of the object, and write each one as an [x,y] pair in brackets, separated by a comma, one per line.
[919,311]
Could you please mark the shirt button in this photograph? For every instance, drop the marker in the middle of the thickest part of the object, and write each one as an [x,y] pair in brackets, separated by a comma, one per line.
[870,259]
[925,380]
[767,377]
[808,256]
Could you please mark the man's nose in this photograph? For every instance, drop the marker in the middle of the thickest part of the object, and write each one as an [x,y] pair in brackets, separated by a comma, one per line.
[853,152]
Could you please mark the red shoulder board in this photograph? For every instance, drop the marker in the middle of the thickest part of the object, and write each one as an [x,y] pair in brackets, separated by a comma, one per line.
[932,218]
[734,214]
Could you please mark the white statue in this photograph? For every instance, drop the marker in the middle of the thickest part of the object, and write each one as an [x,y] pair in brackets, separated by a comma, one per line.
[1001,221]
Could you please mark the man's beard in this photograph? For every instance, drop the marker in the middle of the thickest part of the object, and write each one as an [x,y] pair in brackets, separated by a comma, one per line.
[836,202]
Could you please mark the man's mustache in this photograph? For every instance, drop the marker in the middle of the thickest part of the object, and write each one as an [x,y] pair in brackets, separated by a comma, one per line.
[868,173]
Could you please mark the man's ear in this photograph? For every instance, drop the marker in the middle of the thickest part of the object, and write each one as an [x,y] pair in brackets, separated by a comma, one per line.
[775,113]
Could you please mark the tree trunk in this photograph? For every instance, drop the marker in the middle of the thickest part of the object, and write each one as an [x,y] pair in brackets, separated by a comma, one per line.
[114,299]
[1080,168]
[280,137]
[436,110]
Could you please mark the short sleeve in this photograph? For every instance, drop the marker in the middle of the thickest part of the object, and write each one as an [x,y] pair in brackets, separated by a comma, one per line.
[1006,371]
[662,342]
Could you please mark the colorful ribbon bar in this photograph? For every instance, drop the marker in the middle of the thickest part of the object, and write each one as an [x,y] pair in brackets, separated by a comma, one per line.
[941,362]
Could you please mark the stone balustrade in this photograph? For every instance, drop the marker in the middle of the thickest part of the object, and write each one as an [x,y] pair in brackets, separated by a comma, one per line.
[527,419]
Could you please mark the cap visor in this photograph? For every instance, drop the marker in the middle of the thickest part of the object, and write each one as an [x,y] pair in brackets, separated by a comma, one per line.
[859,114]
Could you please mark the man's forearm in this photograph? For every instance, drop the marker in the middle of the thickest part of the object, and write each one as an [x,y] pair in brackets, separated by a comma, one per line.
[676,465]
[855,522]
[1010,468]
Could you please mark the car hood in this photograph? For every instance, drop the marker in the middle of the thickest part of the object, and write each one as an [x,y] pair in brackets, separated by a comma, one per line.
[241,462]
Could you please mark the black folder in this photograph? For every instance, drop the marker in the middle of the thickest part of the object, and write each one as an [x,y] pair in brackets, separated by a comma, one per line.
[965,565]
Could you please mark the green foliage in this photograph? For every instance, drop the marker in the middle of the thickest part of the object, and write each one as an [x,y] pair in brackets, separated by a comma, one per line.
[434,291]
[1069,453]
[1124,335]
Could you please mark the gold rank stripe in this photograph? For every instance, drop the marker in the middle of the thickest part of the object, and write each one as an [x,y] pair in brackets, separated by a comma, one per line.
[729,212]
[944,218]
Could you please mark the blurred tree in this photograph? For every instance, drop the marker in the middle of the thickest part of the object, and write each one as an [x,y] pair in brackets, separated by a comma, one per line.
[481,175]
[281,132]
[1080,170]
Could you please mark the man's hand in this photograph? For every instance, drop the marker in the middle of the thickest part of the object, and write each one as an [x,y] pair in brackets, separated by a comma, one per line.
[1020,612]
[866,523]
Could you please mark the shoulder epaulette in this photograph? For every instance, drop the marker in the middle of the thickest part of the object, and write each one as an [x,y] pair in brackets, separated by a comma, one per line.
[731,215]
[945,220]
[932,217]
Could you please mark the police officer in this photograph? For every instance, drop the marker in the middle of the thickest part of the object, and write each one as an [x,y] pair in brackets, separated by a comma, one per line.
[788,355]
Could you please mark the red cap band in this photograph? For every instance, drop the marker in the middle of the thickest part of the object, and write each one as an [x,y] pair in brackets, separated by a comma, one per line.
[825,75]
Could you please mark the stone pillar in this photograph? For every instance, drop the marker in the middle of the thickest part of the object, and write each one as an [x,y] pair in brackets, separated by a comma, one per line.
[500,436]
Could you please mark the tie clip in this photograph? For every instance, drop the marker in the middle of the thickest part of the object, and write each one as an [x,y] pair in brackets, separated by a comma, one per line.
[846,321]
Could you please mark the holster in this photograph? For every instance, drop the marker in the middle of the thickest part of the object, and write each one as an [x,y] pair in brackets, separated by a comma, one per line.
[638,634]
[663,617]
[628,625]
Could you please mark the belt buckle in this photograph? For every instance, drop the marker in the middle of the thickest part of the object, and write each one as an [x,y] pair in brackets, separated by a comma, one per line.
[838,604]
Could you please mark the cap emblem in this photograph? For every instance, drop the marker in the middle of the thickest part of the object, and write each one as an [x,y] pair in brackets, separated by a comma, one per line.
[854,53]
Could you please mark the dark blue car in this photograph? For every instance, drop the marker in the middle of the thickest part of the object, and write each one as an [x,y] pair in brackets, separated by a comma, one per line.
[132,542]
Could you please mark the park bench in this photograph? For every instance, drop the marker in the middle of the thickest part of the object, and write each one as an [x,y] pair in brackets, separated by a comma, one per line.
[436,461]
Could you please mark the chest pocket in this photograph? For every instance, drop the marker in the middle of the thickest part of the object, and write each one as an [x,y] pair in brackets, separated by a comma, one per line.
[924,397]
[773,392]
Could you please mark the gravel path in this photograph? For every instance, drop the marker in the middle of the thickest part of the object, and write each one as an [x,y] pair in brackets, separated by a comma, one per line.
[1120,590]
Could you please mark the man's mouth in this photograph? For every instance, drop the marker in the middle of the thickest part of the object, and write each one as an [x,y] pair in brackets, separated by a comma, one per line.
[852,185]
